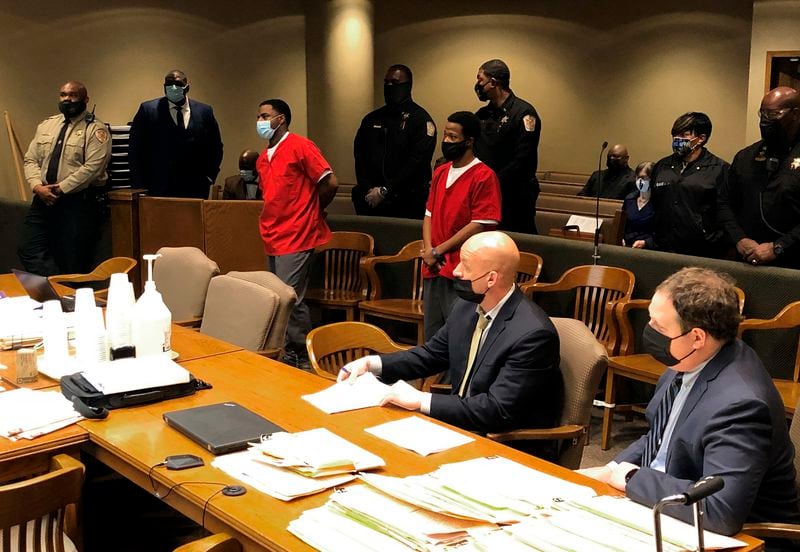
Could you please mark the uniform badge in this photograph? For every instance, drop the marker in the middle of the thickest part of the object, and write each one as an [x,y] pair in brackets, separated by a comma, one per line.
[78,133]
[795,164]
[529,122]
[101,135]
[430,128]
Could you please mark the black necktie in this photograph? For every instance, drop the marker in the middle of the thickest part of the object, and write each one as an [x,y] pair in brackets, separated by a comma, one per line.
[179,117]
[660,421]
[55,157]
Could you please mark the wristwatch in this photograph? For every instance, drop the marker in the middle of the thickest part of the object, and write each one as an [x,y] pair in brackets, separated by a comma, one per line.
[777,249]
[383,191]
[630,474]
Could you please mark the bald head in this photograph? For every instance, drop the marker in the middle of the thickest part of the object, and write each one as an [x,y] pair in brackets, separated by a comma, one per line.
[247,160]
[493,251]
[780,98]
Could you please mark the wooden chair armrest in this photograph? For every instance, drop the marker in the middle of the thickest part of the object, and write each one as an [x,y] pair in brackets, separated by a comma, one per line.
[272,352]
[189,322]
[772,530]
[71,278]
[214,543]
[441,388]
[550,433]
[625,336]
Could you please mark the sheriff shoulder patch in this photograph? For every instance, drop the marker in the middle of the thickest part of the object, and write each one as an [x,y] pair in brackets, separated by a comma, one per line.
[431,128]
[529,122]
[101,135]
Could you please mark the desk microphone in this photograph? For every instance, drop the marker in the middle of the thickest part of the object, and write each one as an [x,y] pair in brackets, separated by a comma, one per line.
[700,490]
[596,254]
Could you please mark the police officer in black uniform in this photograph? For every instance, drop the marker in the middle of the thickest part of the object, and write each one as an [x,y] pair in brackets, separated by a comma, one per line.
[760,203]
[393,150]
[684,187]
[509,144]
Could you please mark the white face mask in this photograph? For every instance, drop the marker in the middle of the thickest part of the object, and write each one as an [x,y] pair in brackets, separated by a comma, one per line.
[643,185]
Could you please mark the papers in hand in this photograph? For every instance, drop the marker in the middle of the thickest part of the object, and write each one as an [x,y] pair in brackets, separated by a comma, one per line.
[26,414]
[421,436]
[133,374]
[315,453]
[366,391]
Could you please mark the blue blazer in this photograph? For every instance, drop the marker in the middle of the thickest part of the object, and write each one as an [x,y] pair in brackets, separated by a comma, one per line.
[516,382]
[169,162]
[732,425]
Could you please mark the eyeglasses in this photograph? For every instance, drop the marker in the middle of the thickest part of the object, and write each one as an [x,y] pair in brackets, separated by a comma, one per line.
[774,114]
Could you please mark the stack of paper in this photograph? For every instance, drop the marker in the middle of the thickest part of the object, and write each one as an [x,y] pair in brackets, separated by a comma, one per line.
[421,436]
[26,414]
[21,322]
[290,465]
[488,504]
[411,526]
[276,482]
[132,374]
[315,453]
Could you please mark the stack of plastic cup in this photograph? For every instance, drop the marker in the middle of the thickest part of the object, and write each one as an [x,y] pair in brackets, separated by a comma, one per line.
[90,332]
[119,311]
[54,332]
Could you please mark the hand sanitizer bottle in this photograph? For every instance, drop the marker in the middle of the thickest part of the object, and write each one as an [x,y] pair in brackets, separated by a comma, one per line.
[152,321]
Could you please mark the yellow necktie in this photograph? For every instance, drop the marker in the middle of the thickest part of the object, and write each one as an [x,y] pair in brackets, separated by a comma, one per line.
[473,351]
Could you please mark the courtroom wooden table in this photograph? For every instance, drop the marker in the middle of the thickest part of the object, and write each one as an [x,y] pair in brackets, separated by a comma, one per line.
[132,440]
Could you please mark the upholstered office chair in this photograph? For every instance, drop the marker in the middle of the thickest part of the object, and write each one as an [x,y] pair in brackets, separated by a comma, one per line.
[182,275]
[404,309]
[35,513]
[767,530]
[332,346]
[249,309]
[213,543]
[596,288]
[638,367]
[583,362]
[344,284]
[99,278]
[788,318]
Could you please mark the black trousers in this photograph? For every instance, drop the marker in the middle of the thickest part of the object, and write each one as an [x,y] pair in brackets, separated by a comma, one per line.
[59,238]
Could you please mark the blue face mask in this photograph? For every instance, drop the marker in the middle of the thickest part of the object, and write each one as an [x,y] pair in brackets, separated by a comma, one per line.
[265,130]
[643,184]
[682,146]
[176,94]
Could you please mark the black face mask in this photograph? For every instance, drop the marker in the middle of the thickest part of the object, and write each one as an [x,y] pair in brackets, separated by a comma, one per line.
[396,94]
[774,136]
[615,165]
[454,150]
[657,345]
[71,109]
[463,289]
[482,94]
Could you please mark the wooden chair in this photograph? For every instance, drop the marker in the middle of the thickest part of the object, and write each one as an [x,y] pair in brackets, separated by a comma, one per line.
[596,288]
[530,266]
[767,530]
[788,318]
[638,367]
[344,284]
[583,362]
[213,543]
[332,346]
[42,509]
[407,309]
[101,275]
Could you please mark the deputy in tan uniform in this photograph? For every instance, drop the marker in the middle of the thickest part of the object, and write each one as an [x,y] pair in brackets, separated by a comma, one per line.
[65,166]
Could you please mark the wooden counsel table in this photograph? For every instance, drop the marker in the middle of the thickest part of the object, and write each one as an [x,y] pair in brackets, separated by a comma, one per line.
[131,440]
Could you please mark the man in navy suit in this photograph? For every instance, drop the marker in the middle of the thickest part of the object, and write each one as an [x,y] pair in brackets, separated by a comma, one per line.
[715,412]
[501,349]
[175,145]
